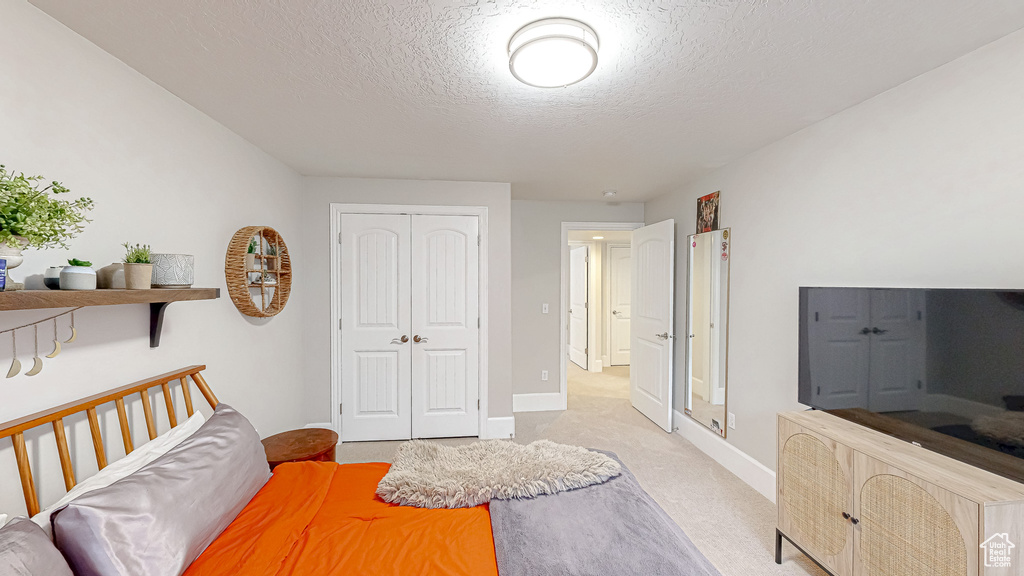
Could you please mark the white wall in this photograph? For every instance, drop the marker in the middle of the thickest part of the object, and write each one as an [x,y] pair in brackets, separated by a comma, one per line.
[317,196]
[919,186]
[161,173]
[536,280]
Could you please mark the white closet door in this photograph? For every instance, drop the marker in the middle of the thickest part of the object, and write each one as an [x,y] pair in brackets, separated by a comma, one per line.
[446,336]
[620,303]
[897,350]
[839,346]
[579,257]
[376,365]
[653,278]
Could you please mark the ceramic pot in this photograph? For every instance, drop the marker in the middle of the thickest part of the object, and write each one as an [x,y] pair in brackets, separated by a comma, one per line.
[138,276]
[51,277]
[173,270]
[77,278]
[110,277]
[12,253]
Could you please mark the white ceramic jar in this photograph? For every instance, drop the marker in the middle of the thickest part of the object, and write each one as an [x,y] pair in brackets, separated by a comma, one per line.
[77,278]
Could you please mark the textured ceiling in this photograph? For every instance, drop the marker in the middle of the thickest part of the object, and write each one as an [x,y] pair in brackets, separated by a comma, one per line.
[421,88]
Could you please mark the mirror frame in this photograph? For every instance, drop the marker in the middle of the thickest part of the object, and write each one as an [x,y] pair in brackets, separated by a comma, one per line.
[688,376]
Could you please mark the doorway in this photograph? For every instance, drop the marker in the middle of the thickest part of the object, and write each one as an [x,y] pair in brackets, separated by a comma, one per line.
[595,305]
[409,297]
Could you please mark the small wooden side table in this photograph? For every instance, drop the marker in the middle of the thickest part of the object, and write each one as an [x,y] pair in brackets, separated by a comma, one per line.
[305,445]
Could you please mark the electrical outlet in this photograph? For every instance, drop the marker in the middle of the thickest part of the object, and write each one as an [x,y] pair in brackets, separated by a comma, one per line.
[544,375]
[544,308]
[732,420]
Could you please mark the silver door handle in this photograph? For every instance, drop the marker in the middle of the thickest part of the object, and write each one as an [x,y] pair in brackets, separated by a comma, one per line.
[664,335]
[417,339]
[616,312]
[401,340]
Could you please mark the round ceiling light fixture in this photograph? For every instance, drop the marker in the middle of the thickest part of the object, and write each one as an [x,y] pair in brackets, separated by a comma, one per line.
[553,52]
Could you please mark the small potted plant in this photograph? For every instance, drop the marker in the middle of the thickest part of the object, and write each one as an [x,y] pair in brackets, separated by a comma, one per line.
[32,216]
[271,257]
[78,275]
[138,270]
[250,256]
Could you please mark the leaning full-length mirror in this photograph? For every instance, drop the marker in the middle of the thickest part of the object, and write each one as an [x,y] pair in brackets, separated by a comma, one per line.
[707,321]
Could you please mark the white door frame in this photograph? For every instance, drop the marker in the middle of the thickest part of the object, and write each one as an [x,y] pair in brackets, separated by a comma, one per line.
[337,209]
[563,300]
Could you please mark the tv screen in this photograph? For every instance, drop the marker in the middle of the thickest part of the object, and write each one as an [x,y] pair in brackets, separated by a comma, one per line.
[942,368]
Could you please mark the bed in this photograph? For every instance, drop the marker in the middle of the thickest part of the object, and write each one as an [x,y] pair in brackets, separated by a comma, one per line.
[324,518]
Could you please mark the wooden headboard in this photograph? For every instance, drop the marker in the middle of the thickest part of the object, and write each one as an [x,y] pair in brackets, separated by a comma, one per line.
[15,429]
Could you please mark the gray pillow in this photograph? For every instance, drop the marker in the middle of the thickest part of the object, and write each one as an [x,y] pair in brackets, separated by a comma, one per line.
[161,518]
[25,550]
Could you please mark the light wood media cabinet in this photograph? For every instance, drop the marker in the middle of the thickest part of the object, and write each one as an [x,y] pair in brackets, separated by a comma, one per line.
[861,503]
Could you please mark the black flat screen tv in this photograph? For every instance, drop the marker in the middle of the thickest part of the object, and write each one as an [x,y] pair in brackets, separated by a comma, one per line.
[941,368]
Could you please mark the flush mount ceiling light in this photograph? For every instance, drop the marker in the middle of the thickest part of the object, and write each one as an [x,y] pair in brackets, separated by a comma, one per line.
[553,52]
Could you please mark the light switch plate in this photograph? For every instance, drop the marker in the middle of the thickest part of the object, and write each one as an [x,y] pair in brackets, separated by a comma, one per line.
[732,421]
[544,375]
[544,308]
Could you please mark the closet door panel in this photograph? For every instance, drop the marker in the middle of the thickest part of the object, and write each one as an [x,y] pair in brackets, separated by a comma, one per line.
[376,365]
[446,337]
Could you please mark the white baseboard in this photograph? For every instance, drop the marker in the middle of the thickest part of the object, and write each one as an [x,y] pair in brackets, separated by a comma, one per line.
[596,366]
[537,402]
[496,427]
[504,427]
[757,475]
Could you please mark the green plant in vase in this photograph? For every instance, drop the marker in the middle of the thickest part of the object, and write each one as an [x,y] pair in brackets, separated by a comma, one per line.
[138,268]
[31,215]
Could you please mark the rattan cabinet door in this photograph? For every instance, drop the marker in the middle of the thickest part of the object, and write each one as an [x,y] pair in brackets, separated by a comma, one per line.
[908,527]
[815,490]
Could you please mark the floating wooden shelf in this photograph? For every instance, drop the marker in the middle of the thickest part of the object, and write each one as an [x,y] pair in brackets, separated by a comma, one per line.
[157,298]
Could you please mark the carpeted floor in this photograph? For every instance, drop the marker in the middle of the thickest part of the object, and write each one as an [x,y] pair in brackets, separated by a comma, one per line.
[730,523]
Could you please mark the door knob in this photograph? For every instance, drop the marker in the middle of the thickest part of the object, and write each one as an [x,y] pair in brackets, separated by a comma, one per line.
[616,312]
[875,330]
[663,336]
[401,340]
[417,339]
[865,330]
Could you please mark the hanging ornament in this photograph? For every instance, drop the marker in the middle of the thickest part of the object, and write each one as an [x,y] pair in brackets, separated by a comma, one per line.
[74,333]
[37,362]
[56,342]
[16,365]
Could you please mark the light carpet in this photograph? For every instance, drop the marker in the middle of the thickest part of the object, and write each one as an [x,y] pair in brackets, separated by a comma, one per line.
[728,521]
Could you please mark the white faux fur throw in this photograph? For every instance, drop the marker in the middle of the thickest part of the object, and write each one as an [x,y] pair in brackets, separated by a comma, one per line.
[1006,427]
[429,475]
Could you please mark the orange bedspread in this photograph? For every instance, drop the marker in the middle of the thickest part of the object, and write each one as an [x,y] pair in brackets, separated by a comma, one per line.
[324,519]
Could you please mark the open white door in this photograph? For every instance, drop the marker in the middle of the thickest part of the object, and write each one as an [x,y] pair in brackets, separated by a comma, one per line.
[376,365]
[578,273]
[651,336]
[446,339]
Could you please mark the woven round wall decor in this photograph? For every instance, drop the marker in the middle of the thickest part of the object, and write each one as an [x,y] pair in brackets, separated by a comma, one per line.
[260,281]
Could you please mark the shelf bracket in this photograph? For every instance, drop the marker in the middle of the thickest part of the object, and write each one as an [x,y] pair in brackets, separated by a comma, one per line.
[156,322]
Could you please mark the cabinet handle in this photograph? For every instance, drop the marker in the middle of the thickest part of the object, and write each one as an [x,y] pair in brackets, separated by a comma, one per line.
[855,520]
[846,516]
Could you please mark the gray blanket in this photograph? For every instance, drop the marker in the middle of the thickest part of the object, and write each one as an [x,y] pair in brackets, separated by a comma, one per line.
[609,529]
